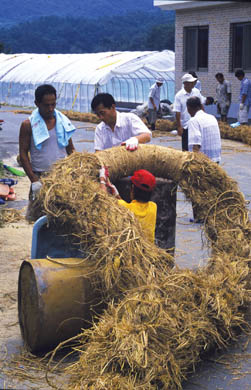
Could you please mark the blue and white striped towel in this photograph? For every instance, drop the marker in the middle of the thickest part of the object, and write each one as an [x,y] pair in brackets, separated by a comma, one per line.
[64,129]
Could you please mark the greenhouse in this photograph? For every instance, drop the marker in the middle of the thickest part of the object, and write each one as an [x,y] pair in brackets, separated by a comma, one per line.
[79,77]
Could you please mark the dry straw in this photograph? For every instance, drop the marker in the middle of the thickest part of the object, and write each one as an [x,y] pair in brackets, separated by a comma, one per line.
[241,133]
[73,115]
[160,320]
[166,125]
[9,216]
[161,124]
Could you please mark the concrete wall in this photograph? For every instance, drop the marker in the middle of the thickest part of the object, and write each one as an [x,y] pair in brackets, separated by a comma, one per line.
[218,18]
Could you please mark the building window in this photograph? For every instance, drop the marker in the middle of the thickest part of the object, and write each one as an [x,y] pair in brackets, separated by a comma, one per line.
[196,48]
[241,53]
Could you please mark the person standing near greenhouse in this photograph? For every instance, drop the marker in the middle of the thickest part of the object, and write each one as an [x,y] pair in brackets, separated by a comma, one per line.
[154,102]
[117,128]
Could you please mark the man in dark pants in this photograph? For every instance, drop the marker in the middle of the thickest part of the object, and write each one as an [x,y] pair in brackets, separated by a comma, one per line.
[154,102]
[180,107]
[203,137]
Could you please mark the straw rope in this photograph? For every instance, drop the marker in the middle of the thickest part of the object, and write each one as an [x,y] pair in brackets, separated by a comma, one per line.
[160,321]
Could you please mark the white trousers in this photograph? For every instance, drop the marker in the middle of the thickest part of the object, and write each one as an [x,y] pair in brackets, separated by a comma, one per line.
[243,114]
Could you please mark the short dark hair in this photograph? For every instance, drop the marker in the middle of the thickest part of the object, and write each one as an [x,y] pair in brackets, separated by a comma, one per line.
[141,195]
[192,72]
[194,102]
[219,75]
[239,72]
[102,98]
[44,89]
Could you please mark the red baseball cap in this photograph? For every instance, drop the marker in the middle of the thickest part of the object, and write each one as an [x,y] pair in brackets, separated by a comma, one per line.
[144,180]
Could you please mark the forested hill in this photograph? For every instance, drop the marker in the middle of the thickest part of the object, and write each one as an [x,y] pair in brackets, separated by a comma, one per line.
[16,11]
[132,31]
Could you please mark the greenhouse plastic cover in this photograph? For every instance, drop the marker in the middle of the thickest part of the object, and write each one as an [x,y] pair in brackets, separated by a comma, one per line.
[79,77]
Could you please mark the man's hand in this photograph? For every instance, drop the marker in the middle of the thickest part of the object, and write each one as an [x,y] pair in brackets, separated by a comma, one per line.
[131,144]
[180,130]
[35,188]
[241,106]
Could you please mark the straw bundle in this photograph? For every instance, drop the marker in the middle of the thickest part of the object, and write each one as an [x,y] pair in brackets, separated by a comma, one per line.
[241,133]
[166,125]
[73,115]
[82,117]
[159,321]
[112,237]
[155,336]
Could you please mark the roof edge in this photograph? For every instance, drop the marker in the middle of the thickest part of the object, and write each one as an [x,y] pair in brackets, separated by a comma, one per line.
[167,5]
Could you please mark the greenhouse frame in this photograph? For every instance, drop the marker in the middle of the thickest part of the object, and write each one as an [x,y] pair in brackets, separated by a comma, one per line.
[79,77]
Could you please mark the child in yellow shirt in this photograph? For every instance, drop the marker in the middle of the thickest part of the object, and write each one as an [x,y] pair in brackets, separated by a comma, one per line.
[142,185]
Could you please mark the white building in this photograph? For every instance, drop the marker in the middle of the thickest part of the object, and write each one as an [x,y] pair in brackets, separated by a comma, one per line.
[211,37]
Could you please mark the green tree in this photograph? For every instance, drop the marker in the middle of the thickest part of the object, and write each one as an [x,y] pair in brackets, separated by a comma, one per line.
[161,37]
[52,34]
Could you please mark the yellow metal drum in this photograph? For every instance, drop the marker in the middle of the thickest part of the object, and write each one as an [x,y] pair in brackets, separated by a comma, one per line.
[54,301]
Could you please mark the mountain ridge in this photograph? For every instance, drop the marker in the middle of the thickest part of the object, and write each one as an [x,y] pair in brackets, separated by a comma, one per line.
[73,26]
[15,11]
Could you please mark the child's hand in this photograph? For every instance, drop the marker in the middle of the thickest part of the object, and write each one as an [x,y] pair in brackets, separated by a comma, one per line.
[103,175]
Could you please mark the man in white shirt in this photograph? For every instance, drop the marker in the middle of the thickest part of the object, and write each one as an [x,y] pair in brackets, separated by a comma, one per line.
[197,83]
[203,136]
[117,128]
[154,102]
[203,131]
[180,107]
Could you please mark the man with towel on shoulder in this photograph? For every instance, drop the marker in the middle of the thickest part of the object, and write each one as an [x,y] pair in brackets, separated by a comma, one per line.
[46,135]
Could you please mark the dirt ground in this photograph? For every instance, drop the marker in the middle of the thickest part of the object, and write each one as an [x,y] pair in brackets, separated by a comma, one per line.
[15,244]
[17,370]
